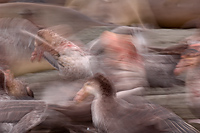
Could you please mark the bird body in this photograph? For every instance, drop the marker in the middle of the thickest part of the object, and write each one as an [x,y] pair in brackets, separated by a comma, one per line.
[71,61]
[75,67]
[189,64]
[131,65]
[113,115]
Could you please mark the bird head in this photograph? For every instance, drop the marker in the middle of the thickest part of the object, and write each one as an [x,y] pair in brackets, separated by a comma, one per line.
[99,86]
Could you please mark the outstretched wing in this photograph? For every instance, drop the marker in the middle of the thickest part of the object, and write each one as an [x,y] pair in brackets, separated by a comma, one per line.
[14,44]
[11,33]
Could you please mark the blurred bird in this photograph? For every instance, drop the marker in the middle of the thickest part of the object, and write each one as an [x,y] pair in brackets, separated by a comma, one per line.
[122,62]
[13,86]
[130,55]
[12,90]
[114,115]
[17,88]
[25,113]
[189,64]
[20,112]
[72,61]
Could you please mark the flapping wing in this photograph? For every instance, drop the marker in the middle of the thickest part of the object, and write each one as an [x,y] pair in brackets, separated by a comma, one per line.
[14,44]
[11,32]
[96,47]
[153,118]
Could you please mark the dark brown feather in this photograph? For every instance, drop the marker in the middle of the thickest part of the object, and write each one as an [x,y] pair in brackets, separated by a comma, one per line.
[106,86]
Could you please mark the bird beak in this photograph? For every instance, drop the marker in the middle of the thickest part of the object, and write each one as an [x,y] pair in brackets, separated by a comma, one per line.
[81,95]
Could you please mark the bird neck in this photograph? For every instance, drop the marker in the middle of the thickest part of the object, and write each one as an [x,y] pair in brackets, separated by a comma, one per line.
[104,99]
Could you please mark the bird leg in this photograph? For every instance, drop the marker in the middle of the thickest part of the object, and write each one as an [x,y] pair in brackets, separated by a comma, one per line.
[37,53]
[40,49]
